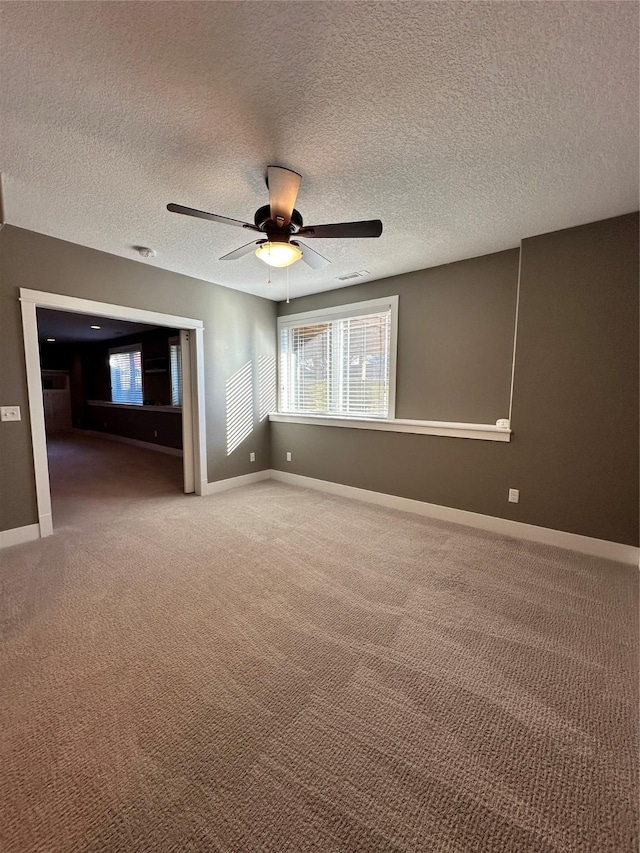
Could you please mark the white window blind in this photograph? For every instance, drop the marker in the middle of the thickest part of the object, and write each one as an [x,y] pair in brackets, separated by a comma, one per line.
[338,365]
[125,366]
[175,364]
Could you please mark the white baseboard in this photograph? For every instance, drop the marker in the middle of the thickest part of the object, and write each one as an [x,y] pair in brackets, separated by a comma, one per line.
[148,445]
[234,482]
[616,551]
[19,535]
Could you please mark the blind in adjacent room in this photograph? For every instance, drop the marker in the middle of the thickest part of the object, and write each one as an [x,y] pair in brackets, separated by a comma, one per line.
[125,366]
[340,366]
[175,364]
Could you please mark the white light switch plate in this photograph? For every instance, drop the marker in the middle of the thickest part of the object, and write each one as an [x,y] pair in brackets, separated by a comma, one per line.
[10,413]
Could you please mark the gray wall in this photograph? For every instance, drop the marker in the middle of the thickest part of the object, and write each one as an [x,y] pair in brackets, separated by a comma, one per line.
[238,328]
[574,451]
[455,338]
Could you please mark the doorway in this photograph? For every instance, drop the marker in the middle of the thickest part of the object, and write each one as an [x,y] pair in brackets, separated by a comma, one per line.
[191,374]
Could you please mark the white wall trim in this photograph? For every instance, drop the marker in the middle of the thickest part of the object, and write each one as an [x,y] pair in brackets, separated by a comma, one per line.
[352,309]
[628,554]
[188,436]
[19,535]
[483,432]
[43,299]
[36,416]
[198,399]
[393,357]
[234,482]
[616,551]
[136,442]
[32,299]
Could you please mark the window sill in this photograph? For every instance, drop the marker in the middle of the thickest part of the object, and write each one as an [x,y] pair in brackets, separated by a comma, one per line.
[134,406]
[482,432]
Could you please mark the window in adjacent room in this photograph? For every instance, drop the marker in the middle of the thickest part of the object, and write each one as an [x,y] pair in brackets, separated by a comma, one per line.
[340,361]
[175,365]
[125,366]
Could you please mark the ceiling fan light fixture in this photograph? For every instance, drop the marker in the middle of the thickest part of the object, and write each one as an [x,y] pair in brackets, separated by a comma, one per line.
[278,254]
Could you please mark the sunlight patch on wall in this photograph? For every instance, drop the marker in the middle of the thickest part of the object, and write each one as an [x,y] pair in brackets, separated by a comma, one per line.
[267,401]
[239,397]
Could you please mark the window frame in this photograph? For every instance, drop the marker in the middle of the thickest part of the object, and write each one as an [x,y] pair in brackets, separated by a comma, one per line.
[115,351]
[342,312]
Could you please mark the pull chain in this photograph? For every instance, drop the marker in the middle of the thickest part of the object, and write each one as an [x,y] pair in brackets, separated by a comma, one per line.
[287,285]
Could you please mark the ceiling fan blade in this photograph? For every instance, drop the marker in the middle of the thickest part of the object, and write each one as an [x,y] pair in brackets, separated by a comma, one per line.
[366,228]
[311,257]
[283,190]
[201,214]
[243,250]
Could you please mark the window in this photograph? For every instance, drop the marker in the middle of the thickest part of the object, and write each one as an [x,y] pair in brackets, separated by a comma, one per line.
[125,365]
[175,365]
[340,361]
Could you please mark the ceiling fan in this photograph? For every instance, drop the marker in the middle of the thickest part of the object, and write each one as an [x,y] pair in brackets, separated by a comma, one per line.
[282,225]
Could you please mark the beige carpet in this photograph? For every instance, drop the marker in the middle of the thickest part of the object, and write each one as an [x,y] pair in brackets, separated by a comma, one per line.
[274,669]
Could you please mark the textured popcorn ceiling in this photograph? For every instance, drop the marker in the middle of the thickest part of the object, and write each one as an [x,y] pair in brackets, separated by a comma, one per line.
[463,126]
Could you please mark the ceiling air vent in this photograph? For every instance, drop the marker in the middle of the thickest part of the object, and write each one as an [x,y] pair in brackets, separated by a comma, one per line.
[351,275]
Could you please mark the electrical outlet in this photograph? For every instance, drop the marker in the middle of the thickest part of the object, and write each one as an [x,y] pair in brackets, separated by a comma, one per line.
[252,457]
[10,413]
[288,456]
[514,496]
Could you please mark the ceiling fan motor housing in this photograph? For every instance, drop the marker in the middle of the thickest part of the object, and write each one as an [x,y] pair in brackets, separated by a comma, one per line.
[264,222]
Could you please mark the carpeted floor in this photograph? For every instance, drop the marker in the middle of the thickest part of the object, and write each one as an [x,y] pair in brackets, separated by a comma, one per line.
[274,669]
